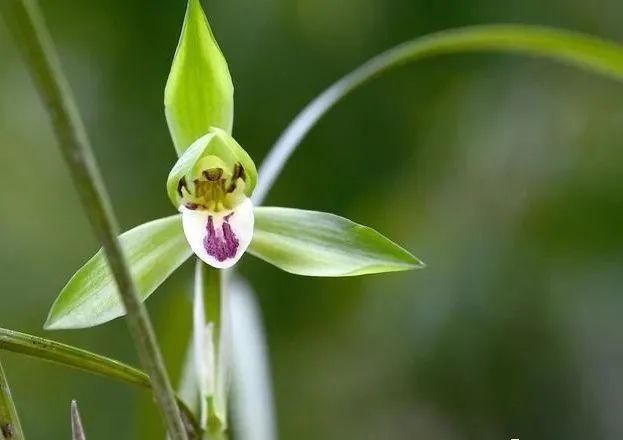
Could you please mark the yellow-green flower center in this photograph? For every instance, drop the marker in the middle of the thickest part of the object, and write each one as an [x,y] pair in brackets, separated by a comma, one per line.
[213,186]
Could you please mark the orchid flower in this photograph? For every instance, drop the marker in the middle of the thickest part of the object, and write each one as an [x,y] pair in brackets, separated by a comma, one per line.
[211,185]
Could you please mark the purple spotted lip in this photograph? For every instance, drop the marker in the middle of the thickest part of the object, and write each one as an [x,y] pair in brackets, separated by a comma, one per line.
[222,244]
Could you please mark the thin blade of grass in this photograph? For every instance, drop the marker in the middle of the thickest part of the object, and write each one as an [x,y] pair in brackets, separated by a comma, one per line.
[590,53]
[77,431]
[10,427]
[69,356]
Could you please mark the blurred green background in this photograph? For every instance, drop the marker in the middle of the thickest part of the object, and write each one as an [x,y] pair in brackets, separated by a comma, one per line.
[503,173]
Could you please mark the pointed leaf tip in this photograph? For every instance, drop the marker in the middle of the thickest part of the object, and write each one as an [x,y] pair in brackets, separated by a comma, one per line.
[199,91]
[320,244]
[77,431]
[90,298]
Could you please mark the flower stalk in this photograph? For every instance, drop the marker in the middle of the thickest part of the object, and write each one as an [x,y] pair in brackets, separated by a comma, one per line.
[25,22]
[212,347]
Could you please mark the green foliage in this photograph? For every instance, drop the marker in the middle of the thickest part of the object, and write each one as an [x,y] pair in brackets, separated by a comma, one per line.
[10,426]
[77,431]
[154,250]
[199,91]
[320,244]
[585,51]
[78,358]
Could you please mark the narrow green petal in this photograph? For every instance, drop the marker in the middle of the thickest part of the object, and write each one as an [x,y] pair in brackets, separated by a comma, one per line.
[154,250]
[199,93]
[184,166]
[320,244]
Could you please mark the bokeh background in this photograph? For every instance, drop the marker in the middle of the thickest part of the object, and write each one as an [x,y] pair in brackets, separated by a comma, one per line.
[504,173]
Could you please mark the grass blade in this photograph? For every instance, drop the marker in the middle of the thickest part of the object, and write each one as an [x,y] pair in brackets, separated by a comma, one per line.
[74,357]
[591,53]
[77,431]
[84,360]
[10,427]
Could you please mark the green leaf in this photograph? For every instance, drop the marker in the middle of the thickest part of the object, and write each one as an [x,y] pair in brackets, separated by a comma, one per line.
[320,244]
[590,53]
[199,93]
[10,427]
[73,357]
[154,250]
[77,431]
[215,143]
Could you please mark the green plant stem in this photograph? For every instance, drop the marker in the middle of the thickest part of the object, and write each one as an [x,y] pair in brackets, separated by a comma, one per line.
[74,357]
[211,306]
[28,28]
[10,427]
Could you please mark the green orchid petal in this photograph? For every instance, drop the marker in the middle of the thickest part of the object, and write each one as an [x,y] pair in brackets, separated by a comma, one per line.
[154,250]
[199,93]
[220,150]
[319,244]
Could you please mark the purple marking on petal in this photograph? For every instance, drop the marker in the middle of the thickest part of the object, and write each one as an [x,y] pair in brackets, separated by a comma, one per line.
[221,244]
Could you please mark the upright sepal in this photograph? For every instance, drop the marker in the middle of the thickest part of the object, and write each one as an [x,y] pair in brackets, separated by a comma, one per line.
[199,91]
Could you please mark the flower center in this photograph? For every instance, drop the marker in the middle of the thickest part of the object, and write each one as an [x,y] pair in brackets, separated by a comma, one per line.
[214,189]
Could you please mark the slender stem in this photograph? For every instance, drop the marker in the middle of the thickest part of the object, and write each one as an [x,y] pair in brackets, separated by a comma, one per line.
[74,357]
[10,428]
[28,28]
[211,306]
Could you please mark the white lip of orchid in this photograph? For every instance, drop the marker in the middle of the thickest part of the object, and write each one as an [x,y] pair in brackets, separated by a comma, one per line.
[219,238]
[217,217]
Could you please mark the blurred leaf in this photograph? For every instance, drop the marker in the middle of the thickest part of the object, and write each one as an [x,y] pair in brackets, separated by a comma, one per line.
[10,427]
[199,91]
[591,53]
[154,250]
[215,143]
[320,244]
[253,413]
[77,431]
